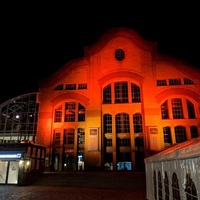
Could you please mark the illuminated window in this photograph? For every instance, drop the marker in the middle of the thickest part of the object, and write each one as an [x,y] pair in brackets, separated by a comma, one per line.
[119,54]
[161,82]
[177,109]
[188,81]
[159,186]
[107,94]
[190,109]
[175,187]
[180,134]
[137,123]
[70,112]
[135,93]
[174,81]
[58,114]
[81,136]
[69,136]
[122,123]
[167,134]
[121,92]
[107,123]
[81,113]
[164,110]
[194,131]
[166,183]
[190,188]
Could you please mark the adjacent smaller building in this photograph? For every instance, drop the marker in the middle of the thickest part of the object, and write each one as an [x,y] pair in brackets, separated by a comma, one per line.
[21,163]
[174,173]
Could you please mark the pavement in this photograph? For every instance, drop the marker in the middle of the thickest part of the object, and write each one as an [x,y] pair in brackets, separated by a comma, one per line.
[80,186]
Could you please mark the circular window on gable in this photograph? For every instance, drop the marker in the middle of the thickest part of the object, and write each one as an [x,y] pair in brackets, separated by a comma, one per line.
[119,54]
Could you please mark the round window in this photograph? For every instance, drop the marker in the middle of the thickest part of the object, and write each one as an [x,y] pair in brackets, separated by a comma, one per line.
[119,54]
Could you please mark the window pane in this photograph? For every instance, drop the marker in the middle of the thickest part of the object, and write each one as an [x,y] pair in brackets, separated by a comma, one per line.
[194,131]
[122,123]
[107,94]
[58,114]
[137,123]
[121,92]
[107,123]
[167,134]
[164,110]
[135,93]
[180,134]
[177,108]
[190,109]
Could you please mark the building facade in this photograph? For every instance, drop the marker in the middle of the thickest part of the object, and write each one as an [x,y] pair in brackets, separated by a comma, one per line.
[118,104]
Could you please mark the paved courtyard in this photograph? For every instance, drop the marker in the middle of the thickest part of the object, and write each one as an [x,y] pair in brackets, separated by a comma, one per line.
[80,186]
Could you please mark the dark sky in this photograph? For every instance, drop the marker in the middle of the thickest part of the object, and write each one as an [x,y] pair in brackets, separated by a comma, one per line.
[39,38]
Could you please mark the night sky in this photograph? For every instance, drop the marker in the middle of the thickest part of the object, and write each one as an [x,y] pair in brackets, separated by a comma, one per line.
[39,38]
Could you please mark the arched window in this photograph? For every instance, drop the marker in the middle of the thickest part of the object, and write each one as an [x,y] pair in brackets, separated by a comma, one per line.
[194,131]
[164,110]
[180,134]
[135,93]
[107,94]
[190,109]
[175,187]
[122,123]
[167,135]
[81,113]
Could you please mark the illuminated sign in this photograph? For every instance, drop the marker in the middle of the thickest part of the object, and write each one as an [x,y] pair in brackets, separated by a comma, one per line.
[17,155]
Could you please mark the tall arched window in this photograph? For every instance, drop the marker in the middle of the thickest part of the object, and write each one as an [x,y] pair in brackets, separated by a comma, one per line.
[122,123]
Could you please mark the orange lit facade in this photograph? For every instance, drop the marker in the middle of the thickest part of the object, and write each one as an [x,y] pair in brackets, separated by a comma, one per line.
[121,102]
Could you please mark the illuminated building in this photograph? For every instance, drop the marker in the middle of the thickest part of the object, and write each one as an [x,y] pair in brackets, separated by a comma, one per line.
[121,102]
